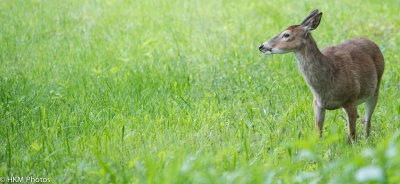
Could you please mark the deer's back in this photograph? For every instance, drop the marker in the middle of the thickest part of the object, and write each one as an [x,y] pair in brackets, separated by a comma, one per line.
[359,65]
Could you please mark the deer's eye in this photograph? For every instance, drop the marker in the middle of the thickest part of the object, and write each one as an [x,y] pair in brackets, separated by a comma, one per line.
[285,35]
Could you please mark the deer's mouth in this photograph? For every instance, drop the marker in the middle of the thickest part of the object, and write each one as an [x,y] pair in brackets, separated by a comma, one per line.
[269,50]
[265,48]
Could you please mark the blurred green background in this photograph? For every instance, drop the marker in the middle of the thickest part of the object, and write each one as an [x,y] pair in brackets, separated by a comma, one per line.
[163,91]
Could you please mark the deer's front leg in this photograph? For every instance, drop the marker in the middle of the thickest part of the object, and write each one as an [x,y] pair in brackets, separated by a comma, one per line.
[351,111]
[319,114]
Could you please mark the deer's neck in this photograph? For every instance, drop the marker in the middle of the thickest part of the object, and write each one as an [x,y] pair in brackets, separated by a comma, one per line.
[316,68]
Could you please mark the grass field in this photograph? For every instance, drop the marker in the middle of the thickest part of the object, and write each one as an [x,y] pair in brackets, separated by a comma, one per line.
[164,91]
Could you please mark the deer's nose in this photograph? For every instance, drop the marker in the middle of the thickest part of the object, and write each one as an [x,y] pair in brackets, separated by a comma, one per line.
[261,47]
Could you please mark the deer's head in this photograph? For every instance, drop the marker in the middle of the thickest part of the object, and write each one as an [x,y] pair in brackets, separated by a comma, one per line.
[293,37]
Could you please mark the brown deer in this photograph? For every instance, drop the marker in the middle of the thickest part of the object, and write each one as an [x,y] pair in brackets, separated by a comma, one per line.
[340,76]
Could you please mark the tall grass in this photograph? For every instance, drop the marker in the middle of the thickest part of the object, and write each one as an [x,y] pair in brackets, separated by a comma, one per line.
[176,92]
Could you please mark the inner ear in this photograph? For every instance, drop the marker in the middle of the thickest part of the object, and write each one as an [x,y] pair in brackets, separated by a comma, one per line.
[316,20]
[313,22]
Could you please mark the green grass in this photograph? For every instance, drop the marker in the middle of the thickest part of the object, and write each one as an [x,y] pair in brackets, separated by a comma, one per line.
[176,92]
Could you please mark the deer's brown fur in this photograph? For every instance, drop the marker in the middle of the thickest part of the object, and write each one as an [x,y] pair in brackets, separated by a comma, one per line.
[340,76]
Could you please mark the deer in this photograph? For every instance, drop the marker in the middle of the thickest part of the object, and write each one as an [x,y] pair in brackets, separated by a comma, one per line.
[339,76]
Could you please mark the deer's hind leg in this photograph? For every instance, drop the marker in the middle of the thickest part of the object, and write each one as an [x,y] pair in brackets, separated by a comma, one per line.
[370,105]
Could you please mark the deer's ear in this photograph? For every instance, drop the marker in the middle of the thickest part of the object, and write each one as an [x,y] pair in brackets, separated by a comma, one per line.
[312,21]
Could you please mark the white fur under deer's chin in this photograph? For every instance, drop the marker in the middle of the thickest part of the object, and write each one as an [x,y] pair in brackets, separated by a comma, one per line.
[274,51]
[267,52]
